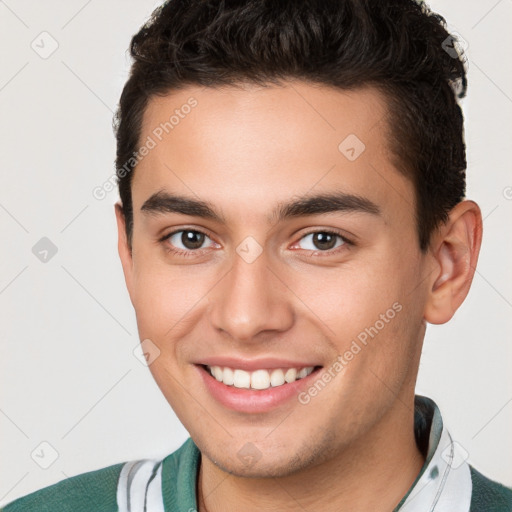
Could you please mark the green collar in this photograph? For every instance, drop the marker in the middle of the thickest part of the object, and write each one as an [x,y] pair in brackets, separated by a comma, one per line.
[443,484]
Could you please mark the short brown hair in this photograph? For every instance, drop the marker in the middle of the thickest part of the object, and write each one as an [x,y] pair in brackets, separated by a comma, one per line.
[397,46]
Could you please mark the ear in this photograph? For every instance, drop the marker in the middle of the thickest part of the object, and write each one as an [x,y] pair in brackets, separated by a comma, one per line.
[455,247]
[124,250]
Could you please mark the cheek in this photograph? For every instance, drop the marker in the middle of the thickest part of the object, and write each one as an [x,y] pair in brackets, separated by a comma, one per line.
[166,299]
[170,303]
[366,309]
[349,298]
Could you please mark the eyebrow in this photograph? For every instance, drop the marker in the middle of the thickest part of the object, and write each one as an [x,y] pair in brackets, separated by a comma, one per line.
[163,202]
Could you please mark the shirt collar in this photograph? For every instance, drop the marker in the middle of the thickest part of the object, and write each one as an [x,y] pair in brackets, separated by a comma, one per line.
[443,484]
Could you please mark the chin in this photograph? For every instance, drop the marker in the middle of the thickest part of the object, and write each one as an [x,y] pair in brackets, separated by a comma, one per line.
[269,459]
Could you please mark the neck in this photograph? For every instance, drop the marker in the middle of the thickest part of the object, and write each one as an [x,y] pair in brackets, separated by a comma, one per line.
[373,473]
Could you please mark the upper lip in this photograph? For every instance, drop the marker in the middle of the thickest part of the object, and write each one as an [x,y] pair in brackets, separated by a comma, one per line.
[254,364]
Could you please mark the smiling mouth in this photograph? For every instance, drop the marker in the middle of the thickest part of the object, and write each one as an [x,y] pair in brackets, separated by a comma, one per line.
[258,379]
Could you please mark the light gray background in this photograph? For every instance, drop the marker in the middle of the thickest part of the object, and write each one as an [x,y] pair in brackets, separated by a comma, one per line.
[68,374]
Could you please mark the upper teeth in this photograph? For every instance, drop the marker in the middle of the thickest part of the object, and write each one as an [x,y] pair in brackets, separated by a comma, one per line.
[259,379]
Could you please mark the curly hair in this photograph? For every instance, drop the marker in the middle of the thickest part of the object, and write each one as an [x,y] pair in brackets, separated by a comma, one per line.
[400,47]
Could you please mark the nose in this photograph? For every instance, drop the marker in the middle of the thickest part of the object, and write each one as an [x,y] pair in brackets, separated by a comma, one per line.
[251,299]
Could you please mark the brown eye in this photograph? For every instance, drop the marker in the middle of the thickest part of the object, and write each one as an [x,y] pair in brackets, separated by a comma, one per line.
[192,239]
[322,241]
[188,238]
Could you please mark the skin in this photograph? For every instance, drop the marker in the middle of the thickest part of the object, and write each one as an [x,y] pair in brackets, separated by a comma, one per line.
[244,150]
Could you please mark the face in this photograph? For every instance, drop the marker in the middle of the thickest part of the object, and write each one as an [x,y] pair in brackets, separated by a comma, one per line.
[288,267]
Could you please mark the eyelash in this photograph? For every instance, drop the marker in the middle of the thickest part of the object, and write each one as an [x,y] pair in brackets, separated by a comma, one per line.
[312,253]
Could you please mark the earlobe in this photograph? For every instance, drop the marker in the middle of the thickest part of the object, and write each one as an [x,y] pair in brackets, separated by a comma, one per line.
[455,248]
[125,253]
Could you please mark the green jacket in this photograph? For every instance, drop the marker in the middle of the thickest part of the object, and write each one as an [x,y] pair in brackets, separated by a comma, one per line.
[446,482]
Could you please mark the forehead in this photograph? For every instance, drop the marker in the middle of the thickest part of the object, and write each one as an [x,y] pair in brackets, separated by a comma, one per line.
[251,145]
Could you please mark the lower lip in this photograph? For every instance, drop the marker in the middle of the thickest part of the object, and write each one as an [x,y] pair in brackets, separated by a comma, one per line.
[252,400]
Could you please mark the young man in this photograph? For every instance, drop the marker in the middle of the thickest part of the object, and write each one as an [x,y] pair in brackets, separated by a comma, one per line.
[292,180]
